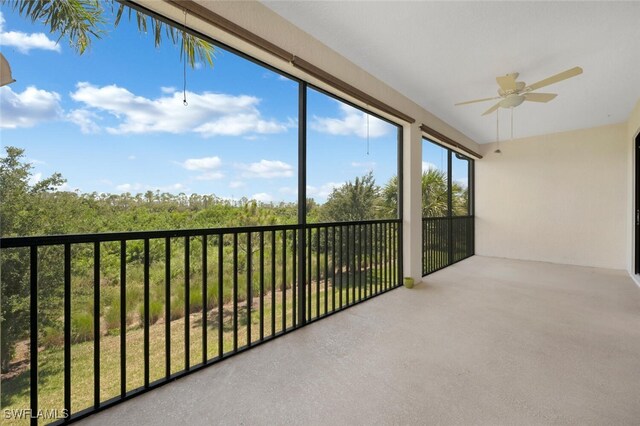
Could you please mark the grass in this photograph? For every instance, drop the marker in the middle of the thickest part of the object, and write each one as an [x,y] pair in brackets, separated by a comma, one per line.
[15,392]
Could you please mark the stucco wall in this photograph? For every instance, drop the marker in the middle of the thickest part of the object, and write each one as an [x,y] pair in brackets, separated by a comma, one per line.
[559,198]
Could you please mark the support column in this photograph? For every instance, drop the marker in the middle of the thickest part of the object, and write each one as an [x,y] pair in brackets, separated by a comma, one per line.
[412,201]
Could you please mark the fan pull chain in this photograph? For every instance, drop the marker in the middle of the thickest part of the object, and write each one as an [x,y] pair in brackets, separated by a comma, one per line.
[511,123]
[184,61]
[497,151]
[367,134]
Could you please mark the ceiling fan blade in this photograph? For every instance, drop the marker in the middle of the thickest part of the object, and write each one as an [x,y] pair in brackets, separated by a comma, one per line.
[493,108]
[539,97]
[477,100]
[507,82]
[554,79]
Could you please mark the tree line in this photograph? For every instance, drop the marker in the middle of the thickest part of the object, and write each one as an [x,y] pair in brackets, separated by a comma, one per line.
[31,208]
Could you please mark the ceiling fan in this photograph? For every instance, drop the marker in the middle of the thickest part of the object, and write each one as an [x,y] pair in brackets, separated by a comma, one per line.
[513,93]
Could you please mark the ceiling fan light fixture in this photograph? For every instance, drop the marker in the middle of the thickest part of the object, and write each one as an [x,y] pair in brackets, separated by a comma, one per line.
[512,101]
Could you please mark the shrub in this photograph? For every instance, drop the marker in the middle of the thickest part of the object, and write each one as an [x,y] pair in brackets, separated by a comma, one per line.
[195,299]
[155,311]
[81,327]
[52,337]
[177,307]
[112,316]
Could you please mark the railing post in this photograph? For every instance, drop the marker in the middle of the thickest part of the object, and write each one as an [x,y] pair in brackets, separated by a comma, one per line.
[302,202]
[450,205]
[33,344]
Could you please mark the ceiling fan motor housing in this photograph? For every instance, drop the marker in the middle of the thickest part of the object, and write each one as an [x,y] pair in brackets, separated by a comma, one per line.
[512,101]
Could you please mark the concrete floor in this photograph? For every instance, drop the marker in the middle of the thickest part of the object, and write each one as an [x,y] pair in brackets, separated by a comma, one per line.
[487,341]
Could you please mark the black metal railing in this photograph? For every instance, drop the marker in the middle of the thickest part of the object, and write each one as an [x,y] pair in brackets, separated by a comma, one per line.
[445,241]
[203,294]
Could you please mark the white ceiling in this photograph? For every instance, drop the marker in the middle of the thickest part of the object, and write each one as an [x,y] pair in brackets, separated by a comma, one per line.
[440,53]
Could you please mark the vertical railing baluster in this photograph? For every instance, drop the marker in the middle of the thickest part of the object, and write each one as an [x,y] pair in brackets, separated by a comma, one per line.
[348,271]
[317,272]
[372,230]
[220,295]
[309,271]
[205,273]
[249,295]
[123,318]
[96,324]
[261,285]
[167,307]
[187,303]
[370,285]
[326,269]
[284,280]
[33,330]
[146,312]
[392,256]
[235,291]
[394,275]
[67,328]
[354,282]
[273,283]
[360,259]
[385,258]
[333,268]
[340,257]
[366,260]
[376,255]
[294,276]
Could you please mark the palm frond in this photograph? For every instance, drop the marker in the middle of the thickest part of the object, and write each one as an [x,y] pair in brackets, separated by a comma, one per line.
[77,20]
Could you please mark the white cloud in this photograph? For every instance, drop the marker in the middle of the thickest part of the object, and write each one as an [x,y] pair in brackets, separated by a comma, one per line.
[167,89]
[352,122]
[367,165]
[204,163]
[208,114]
[236,184]
[35,178]
[131,157]
[318,192]
[426,166]
[35,161]
[85,119]
[138,187]
[210,176]
[323,191]
[263,197]
[28,108]
[266,169]
[65,187]
[24,42]
[288,190]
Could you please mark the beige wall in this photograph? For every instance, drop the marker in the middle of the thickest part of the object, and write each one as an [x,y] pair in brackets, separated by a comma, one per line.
[559,198]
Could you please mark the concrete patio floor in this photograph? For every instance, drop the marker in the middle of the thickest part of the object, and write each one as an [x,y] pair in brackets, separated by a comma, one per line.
[485,342]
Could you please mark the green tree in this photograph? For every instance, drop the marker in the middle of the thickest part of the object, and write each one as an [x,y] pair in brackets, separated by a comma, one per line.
[353,201]
[22,212]
[81,21]
[388,205]
[434,193]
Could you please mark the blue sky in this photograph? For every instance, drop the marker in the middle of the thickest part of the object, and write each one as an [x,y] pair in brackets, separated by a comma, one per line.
[112,120]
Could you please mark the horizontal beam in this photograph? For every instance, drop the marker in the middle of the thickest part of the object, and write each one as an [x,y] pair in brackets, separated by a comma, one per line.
[446,139]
